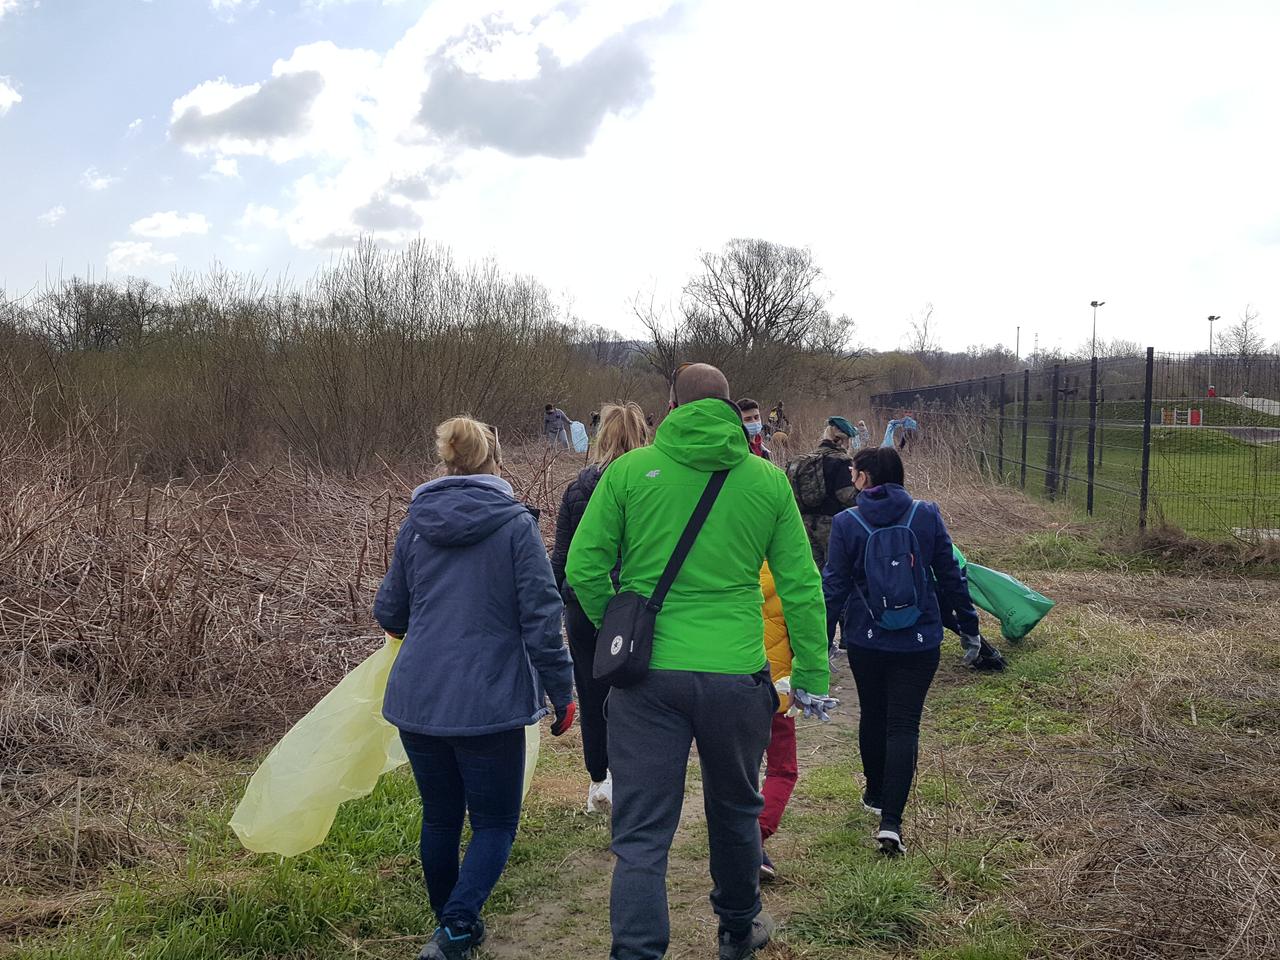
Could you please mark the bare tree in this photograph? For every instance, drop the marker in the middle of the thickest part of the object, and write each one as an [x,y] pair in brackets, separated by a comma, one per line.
[755,292]
[923,338]
[1244,338]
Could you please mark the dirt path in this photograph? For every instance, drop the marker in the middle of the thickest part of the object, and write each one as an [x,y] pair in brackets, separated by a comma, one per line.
[577,924]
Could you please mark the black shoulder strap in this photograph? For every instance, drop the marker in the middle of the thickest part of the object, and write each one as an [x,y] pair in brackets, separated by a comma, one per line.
[686,539]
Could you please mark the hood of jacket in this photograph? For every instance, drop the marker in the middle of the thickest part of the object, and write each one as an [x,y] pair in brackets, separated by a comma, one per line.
[885,505]
[460,511]
[706,435]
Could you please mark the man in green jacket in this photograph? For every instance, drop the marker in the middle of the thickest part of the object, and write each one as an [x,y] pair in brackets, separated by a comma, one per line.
[709,681]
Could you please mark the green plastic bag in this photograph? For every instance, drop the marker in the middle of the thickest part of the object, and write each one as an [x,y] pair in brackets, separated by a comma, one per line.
[336,752]
[1012,602]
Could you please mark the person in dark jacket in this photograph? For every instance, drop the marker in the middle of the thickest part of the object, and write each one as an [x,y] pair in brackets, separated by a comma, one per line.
[622,428]
[893,668]
[471,591]
[837,481]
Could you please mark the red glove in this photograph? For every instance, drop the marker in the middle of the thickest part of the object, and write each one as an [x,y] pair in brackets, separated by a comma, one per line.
[564,719]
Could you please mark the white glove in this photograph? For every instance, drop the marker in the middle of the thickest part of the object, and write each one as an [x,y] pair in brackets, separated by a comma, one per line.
[812,705]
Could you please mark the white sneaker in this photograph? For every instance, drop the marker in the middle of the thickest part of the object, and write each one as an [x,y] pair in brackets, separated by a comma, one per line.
[600,795]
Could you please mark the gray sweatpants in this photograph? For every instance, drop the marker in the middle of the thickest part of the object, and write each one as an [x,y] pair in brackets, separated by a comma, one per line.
[651,727]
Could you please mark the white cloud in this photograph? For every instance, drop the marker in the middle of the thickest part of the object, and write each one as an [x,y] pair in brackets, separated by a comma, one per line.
[94,179]
[8,95]
[9,6]
[260,215]
[134,125]
[316,103]
[169,224]
[363,128]
[51,216]
[229,9]
[126,255]
[225,167]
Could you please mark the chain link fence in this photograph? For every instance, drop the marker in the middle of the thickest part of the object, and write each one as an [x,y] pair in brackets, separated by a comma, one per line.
[1187,441]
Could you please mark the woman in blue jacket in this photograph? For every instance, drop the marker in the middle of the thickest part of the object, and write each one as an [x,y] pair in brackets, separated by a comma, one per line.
[471,591]
[889,567]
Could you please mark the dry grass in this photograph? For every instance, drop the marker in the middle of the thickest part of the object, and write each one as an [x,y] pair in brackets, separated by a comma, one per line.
[1157,821]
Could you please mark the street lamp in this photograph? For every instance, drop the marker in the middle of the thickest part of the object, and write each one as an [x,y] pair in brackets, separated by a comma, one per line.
[1211,319]
[1095,304]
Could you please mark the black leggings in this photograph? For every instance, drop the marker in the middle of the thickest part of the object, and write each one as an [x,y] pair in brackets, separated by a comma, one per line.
[891,691]
[591,693]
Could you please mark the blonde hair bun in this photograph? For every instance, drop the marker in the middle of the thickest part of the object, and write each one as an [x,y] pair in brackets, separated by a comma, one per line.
[466,446]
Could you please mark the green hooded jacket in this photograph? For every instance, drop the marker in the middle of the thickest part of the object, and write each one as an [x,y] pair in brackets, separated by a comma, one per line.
[711,621]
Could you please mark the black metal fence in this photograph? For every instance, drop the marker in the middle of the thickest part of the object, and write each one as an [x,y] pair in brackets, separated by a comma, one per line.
[1189,441]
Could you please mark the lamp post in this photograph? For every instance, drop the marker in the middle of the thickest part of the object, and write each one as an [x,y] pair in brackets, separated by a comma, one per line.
[1095,304]
[1211,319]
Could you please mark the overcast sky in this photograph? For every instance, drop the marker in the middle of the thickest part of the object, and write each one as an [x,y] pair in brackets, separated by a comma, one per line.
[1006,161]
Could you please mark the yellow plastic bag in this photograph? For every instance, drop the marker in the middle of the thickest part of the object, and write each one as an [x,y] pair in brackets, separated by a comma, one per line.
[335,753]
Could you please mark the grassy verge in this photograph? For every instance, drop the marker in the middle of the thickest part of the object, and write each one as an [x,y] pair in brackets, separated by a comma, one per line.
[358,892]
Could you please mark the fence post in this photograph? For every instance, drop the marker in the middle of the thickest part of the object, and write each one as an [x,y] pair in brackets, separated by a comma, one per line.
[1069,415]
[1144,488]
[1093,429]
[1051,459]
[1026,412]
[1102,403]
[1000,435]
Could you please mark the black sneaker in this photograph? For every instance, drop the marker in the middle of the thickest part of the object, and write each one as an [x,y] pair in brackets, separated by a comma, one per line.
[767,870]
[446,944]
[890,842]
[761,933]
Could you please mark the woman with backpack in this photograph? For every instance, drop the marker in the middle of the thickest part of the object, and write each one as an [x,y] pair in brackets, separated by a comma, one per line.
[890,572]
[823,485]
[470,590]
[622,428]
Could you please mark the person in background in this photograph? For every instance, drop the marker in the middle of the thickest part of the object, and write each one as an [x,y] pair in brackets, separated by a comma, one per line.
[907,431]
[555,426]
[781,768]
[864,434]
[622,429]
[778,418]
[823,484]
[471,591]
[595,421]
[708,681]
[754,425]
[890,572]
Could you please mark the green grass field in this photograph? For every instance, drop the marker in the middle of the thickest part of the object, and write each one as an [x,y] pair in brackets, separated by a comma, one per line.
[1203,481]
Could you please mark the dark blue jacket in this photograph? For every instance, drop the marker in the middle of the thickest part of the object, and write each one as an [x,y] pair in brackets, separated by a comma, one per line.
[844,581]
[471,589]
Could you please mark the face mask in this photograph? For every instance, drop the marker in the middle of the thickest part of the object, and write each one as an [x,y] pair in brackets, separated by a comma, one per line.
[753,429]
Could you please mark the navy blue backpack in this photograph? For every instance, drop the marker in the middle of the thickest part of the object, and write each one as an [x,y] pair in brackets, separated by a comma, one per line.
[895,573]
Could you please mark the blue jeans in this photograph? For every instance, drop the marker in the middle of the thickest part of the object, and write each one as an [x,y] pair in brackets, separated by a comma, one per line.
[482,776]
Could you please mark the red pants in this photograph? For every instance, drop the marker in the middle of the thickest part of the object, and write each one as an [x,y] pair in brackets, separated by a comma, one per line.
[780,773]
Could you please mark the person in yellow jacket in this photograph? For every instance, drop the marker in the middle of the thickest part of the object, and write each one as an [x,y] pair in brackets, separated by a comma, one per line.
[781,769]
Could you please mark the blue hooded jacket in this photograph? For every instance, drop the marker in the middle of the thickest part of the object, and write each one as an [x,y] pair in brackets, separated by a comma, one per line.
[471,590]
[844,581]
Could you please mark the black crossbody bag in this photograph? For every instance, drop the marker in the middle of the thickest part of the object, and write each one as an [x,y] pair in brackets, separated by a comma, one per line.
[624,645]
